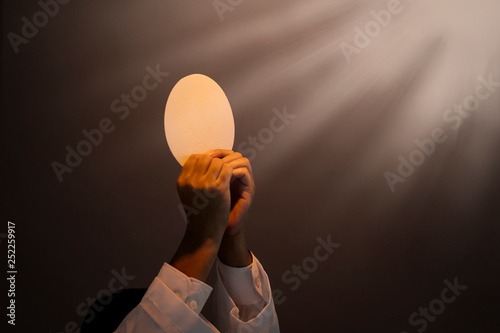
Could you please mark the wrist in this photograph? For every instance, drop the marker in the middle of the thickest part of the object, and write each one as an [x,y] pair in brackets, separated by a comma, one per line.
[200,230]
[234,250]
[195,256]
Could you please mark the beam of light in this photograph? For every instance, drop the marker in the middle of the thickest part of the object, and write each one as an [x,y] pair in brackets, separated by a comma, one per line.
[356,117]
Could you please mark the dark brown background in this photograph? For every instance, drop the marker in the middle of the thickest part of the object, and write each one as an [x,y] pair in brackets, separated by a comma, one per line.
[322,175]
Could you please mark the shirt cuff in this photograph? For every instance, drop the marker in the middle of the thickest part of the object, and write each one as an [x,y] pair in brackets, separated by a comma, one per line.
[194,293]
[243,284]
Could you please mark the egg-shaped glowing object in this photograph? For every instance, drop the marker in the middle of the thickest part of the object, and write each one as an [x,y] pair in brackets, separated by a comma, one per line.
[198,118]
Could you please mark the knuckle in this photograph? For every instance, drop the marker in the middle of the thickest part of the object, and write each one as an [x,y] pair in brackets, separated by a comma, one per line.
[221,187]
[209,190]
[218,162]
[214,188]
[181,181]
[193,157]
[197,184]
[204,157]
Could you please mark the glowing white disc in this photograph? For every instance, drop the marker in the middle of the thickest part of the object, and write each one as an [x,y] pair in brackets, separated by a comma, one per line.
[198,118]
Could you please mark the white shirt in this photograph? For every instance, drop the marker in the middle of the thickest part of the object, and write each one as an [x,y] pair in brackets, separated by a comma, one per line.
[173,302]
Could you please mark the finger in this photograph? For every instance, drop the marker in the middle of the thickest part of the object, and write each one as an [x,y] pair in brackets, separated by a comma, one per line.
[226,173]
[189,165]
[242,162]
[215,168]
[244,176]
[219,153]
[232,157]
[203,164]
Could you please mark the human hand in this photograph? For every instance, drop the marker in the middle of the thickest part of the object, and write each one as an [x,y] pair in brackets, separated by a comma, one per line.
[204,184]
[242,189]
[207,179]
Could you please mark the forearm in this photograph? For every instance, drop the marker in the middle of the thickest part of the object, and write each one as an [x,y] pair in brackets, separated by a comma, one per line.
[196,254]
[234,251]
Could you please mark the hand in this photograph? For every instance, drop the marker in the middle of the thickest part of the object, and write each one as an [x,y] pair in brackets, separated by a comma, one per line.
[204,183]
[242,189]
[203,188]
[233,249]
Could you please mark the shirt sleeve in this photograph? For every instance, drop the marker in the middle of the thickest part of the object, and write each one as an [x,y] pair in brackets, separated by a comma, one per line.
[172,303]
[243,299]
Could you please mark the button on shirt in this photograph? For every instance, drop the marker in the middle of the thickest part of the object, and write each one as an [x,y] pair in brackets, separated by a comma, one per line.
[173,302]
